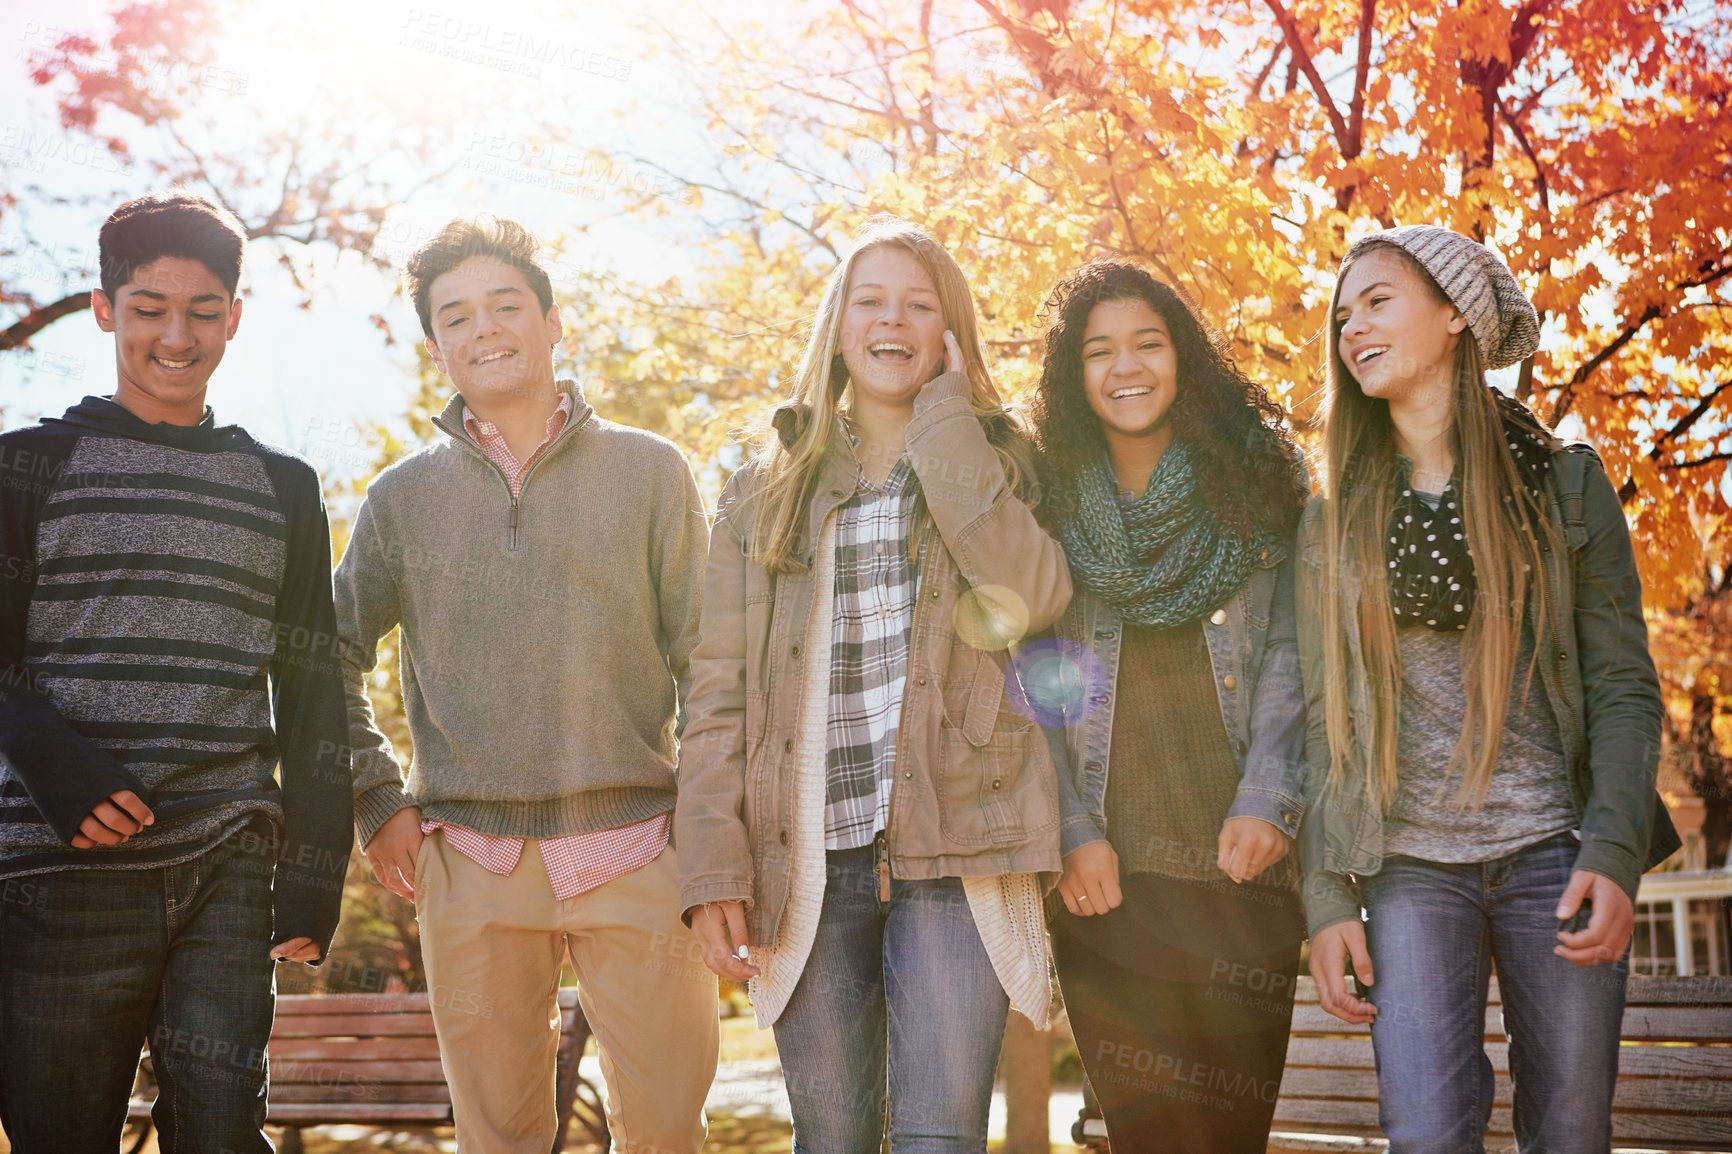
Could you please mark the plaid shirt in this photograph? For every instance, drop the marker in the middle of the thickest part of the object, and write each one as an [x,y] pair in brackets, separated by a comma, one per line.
[583,861]
[875,590]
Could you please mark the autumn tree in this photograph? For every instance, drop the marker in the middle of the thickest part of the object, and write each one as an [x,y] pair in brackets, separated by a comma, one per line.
[152,96]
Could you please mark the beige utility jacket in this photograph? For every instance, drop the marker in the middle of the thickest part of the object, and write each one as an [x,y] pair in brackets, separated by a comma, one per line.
[975,793]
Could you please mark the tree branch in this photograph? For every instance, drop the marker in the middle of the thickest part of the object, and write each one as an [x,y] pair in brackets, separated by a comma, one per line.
[40,318]
[1678,429]
[1302,58]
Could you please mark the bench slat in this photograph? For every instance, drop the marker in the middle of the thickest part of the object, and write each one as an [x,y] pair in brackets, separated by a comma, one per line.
[364,1092]
[384,1073]
[354,1026]
[353,1049]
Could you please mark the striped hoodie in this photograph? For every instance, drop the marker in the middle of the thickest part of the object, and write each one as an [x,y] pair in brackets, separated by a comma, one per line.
[166,626]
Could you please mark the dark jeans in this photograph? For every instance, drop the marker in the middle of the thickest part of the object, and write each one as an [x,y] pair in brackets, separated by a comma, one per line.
[1434,931]
[910,974]
[1181,1000]
[94,962]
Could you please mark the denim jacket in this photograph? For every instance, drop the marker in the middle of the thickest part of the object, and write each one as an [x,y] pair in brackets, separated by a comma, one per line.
[1254,654]
[1598,677]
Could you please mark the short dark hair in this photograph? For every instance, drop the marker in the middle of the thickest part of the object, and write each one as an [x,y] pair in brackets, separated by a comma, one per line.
[467,236]
[172,223]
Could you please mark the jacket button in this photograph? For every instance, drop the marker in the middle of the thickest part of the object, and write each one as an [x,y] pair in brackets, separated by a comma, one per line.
[1290,820]
[920,681]
[995,783]
[835,492]
[796,651]
[1229,681]
[1218,617]
[1105,635]
[935,594]
[1562,656]
[788,746]
[784,837]
[908,773]
[1239,747]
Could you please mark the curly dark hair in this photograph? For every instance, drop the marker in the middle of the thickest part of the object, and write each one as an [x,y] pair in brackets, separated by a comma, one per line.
[1247,464]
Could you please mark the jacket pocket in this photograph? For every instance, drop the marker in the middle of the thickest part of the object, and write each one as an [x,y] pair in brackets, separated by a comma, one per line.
[1000,792]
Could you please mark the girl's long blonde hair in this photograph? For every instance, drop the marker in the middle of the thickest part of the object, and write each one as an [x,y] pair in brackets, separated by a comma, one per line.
[789,474]
[1504,529]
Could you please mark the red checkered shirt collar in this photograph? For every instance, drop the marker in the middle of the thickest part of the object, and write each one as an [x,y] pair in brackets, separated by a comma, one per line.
[492,441]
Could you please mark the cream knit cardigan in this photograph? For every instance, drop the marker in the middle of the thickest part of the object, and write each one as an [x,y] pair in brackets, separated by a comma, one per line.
[1007,909]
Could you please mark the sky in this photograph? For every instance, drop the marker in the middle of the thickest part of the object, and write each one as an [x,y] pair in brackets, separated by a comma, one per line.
[476,74]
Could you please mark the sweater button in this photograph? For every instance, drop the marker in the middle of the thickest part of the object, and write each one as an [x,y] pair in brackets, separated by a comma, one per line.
[1218,617]
[1229,681]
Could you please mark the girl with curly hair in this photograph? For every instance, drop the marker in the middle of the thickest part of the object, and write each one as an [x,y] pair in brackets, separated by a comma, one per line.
[1175,492]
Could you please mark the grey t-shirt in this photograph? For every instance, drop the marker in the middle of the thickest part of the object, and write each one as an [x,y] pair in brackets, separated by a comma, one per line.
[1529,799]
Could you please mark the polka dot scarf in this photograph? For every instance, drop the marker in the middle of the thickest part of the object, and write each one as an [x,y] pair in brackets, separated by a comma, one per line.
[1431,579]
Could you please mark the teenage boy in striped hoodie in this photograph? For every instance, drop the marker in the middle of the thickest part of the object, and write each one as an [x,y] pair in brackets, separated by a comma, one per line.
[546,567]
[175,814]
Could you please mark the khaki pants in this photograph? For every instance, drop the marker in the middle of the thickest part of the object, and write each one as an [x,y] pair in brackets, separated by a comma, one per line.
[493,947]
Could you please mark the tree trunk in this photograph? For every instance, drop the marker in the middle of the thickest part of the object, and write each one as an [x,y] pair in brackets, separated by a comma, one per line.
[1027,1065]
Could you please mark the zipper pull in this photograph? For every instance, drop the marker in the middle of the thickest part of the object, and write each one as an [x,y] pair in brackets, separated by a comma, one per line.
[514,523]
[882,867]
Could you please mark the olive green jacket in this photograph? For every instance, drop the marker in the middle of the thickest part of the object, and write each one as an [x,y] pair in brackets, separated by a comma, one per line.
[1593,661]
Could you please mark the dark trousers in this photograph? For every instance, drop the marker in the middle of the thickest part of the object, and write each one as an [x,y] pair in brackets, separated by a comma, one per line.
[94,962]
[1181,1000]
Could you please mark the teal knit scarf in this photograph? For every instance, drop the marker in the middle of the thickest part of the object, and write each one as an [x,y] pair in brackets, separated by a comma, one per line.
[1164,559]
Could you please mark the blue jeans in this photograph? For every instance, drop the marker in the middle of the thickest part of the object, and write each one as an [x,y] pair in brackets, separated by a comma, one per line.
[910,972]
[93,962]
[1435,931]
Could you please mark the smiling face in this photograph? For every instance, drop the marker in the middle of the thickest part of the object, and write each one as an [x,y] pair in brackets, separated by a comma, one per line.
[490,335]
[171,323]
[1395,334]
[1130,370]
[892,329]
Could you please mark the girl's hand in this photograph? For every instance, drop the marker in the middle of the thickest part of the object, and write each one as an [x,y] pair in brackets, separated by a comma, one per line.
[1609,926]
[721,931]
[1248,846]
[1330,949]
[952,353]
[1090,882]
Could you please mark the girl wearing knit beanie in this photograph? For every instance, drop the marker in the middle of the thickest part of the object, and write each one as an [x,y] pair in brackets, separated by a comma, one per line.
[1483,715]
[1174,681]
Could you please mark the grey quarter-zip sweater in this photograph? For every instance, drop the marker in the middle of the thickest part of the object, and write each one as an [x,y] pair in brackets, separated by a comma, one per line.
[545,640]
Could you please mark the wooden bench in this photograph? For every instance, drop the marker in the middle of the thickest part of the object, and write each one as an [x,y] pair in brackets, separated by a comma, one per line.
[373,1060]
[1674,1072]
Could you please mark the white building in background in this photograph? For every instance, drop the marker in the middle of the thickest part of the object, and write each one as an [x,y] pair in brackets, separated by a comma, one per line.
[1684,908]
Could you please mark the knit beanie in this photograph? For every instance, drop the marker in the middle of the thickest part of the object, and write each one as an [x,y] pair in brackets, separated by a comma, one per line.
[1480,286]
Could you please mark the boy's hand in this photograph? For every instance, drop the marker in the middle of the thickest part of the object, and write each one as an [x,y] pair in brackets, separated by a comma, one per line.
[113,820]
[296,950]
[392,850]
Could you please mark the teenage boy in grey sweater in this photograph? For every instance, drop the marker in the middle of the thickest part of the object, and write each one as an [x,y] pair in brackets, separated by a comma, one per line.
[545,566]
